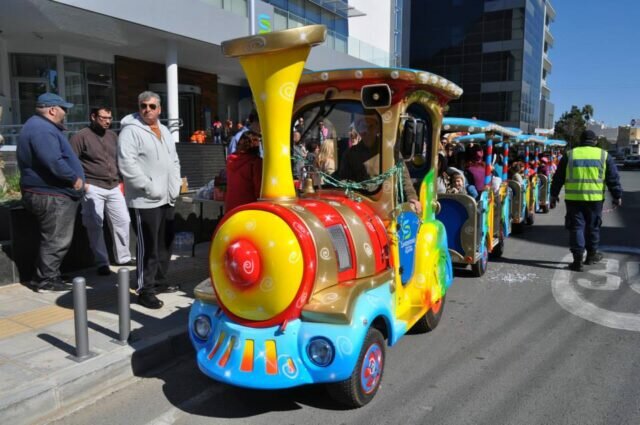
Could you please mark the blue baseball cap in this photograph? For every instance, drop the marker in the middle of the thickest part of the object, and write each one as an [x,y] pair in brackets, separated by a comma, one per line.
[52,99]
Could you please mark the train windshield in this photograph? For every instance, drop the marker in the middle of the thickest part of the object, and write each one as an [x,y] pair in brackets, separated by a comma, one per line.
[338,140]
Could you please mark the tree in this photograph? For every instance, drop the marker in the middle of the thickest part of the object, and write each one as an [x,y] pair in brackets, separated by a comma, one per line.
[571,124]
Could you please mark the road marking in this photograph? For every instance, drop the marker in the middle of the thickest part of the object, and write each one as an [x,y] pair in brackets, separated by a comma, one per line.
[633,274]
[612,281]
[571,300]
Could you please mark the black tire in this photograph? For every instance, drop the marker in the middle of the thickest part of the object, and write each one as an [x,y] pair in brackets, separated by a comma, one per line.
[480,266]
[431,318]
[498,250]
[517,228]
[545,209]
[530,220]
[350,392]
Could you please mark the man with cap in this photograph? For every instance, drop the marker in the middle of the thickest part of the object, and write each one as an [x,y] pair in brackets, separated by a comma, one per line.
[584,172]
[52,183]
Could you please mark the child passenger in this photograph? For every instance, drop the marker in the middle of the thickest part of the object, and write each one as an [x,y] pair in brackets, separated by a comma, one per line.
[458,184]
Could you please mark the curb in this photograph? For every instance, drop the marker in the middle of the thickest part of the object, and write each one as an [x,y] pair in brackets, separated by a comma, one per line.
[45,398]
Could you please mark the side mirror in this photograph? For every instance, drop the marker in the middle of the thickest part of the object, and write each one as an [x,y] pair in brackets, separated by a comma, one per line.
[376,96]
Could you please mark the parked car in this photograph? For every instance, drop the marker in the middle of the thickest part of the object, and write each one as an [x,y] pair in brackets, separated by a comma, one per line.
[632,161]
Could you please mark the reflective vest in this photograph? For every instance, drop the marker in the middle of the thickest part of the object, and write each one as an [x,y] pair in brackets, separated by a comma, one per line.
[586,167]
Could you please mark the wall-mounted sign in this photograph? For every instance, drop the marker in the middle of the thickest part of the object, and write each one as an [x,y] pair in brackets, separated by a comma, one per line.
[263,17]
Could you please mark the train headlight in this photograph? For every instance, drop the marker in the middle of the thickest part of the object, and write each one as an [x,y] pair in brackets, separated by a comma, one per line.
[320,351]
[202,327]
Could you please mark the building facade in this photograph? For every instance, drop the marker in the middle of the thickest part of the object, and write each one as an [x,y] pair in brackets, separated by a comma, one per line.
[496,50]
[100,53]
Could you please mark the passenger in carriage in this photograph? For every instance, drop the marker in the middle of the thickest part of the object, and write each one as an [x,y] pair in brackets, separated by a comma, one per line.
[515,172]
[544,166]
[475,167]
[443,177]
[360,162]
[458,183]
[326,159]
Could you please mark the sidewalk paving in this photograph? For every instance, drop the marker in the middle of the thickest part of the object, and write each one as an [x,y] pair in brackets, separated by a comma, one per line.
[39,379]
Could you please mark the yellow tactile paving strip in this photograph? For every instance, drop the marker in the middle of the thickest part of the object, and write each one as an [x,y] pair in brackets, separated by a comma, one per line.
[10,328]
[34,319]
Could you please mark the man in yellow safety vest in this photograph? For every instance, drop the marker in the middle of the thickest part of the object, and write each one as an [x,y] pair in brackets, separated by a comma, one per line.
[584,172]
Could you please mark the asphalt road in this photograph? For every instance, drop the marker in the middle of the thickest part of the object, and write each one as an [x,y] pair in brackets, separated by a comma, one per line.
[528,343]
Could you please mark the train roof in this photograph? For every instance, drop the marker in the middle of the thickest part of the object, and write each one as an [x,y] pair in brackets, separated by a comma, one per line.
[472,125]
[555,142]
[531,138]
[401,80]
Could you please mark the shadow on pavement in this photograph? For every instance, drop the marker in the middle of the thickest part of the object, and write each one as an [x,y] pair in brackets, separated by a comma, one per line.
[187,388]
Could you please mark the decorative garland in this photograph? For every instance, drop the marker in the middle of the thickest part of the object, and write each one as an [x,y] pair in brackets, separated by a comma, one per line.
[350,186]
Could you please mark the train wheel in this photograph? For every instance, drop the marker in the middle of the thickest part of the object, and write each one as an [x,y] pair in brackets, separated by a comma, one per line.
[517,228]
[365,379]
[498,250]
[531,218]
[430,320]
[480,266]
[544,209]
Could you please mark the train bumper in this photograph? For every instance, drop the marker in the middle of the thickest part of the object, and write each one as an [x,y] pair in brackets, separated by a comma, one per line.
[269,358]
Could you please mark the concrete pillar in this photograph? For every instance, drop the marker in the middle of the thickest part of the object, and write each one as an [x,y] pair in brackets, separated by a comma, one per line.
[173,113]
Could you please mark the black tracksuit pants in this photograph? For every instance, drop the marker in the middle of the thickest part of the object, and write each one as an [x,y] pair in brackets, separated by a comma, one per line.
[154,228]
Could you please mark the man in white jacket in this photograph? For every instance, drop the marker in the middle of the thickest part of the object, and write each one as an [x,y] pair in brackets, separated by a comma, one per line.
[150,168]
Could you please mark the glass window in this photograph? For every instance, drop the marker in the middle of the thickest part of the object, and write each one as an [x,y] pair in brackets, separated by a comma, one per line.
[328,19]
[312,13]
[296,7]
[238,7]
[279,20]
[36,66]
[341,26]
[347,134]
[87,85]
[341,44]
[76,89]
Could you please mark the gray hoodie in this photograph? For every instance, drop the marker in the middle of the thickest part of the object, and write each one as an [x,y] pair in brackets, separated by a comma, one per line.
[150,167]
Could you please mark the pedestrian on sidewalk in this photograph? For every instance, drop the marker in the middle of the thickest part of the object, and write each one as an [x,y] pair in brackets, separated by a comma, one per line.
[584,172]
[244,172]
[51,182]
[96,147]
[150,168]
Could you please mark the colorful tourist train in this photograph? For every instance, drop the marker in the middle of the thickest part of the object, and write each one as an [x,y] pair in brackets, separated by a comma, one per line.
[311,283]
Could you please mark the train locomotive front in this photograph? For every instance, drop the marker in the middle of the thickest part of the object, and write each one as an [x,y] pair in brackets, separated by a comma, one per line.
[311,289]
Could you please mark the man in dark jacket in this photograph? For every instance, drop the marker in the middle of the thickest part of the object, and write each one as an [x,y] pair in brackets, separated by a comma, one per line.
[584,172]
[96,147]
[51,181]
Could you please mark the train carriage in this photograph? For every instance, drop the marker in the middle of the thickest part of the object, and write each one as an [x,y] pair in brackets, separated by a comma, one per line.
[477,228]
[526,195]
[311,287]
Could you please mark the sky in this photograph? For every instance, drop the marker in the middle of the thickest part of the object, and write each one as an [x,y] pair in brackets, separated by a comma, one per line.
[596,58]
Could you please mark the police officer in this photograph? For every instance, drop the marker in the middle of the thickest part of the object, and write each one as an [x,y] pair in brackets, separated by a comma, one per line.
[584,171]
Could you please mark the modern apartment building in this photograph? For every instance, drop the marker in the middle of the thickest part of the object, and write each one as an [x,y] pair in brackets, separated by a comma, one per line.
[106,52]
[496,50]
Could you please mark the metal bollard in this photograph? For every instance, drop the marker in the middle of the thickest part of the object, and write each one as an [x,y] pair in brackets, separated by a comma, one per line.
[124,311]
[80,318]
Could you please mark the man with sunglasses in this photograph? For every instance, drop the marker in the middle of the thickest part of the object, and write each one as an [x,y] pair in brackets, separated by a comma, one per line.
[150,168]
[96,147]
[51,181]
